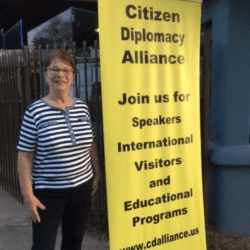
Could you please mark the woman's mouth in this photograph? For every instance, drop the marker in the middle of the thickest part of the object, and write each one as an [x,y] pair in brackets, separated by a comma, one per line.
[60,81]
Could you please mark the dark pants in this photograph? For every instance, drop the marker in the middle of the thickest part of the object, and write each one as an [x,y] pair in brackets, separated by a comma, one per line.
[71,206]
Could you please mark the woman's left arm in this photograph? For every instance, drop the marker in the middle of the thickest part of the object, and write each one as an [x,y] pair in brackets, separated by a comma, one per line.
[95,164]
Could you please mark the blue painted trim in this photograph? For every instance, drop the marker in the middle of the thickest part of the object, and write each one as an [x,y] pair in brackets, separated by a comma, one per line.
[20,32]
[237,155]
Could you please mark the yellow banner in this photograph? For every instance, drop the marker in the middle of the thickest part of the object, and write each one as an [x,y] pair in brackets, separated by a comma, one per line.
[149,52]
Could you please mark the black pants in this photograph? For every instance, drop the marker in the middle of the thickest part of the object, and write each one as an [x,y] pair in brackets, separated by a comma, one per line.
[69,205]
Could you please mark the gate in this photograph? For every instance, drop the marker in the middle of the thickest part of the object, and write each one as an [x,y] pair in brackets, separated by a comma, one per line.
[22,82]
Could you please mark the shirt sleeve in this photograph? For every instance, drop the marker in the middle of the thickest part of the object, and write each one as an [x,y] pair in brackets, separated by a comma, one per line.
[91,124]
[28,133]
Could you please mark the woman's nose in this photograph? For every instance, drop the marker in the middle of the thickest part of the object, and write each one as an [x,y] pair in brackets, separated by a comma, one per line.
[61,73]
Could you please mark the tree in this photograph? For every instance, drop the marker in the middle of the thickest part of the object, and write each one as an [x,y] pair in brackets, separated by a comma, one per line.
[58,31]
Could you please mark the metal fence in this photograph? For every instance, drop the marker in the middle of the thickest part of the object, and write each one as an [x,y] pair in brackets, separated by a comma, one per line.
[205,78]
[22,82]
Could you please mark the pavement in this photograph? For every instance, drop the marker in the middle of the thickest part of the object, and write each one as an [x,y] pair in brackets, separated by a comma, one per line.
[16,228]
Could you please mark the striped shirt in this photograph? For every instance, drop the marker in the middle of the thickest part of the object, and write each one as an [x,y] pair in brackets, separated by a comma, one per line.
[62,141]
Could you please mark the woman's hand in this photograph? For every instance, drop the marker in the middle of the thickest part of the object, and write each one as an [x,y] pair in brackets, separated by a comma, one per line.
[95,164]
[33,203]
[24,172]
[95,184]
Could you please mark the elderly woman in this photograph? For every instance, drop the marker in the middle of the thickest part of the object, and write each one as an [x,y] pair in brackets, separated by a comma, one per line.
[55,150]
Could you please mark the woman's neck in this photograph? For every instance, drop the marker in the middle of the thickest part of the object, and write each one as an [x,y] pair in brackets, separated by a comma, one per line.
[63,98]
[59,101]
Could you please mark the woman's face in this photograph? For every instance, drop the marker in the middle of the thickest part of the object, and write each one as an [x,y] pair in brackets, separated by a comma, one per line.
[59,81]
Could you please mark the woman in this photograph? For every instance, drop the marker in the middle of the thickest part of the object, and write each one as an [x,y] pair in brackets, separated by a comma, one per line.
[55,151]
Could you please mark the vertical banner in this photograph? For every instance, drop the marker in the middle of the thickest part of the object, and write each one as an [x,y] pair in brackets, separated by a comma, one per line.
[149,52]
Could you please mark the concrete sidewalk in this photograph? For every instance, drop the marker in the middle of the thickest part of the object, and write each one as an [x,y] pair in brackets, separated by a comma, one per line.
[16,229]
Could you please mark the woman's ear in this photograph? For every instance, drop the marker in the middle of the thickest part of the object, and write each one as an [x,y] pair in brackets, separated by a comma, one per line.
[73,75]
[45,74]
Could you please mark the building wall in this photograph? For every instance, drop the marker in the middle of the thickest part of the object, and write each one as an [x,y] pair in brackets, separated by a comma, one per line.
[238,74]
[230,70]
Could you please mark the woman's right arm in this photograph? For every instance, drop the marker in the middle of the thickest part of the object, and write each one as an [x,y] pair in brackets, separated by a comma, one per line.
[24,165]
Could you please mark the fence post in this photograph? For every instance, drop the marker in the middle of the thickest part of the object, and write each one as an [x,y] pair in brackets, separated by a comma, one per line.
[34,70]
[1,123]
[16,123]
[85,71]
[75,72]
[41,71]
[205,122]
[27,76]
[4,127]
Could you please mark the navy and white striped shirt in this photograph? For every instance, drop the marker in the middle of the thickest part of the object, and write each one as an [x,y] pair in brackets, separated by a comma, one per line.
[62,141]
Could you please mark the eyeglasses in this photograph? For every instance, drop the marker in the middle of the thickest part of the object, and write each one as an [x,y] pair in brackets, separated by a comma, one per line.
[55,71]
